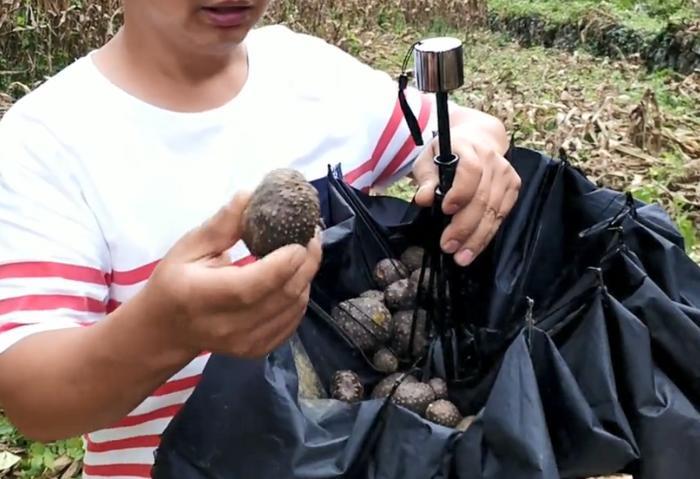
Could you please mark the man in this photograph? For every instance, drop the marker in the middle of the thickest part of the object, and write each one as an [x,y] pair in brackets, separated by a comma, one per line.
[115,249]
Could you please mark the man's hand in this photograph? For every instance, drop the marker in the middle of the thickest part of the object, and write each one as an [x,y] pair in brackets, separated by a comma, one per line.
[64,383]
[207,304]
[484,191]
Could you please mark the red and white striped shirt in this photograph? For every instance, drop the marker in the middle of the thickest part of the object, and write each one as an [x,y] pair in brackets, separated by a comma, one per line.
[96,185]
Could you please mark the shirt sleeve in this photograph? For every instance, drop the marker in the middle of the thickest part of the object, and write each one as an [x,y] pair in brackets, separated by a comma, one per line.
[389,138]
[370,97]
[53,260]
[394,150]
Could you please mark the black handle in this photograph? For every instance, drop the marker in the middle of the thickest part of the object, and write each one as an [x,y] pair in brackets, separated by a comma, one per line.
[446,160]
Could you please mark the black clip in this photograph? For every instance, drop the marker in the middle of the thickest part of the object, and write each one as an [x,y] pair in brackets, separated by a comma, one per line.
[631,205]
[447,171]
[563,156]
[530,322]
[599,276]
[410,118]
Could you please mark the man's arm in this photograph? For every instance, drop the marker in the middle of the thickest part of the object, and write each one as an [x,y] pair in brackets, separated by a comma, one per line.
[57,384]
[485,186]
[63,383]
[479,127]
[67,367]
[473,125]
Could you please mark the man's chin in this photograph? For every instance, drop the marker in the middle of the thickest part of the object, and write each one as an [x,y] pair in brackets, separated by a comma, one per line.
[222,41]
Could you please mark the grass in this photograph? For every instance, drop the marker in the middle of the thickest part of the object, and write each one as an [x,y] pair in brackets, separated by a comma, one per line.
[40,460]
[669,99]
[649,16]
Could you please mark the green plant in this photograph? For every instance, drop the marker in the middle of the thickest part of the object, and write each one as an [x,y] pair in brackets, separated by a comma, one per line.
[644,15]
[41,460]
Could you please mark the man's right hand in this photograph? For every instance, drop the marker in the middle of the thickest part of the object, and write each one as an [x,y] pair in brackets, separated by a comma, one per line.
[60,384]
[203,303]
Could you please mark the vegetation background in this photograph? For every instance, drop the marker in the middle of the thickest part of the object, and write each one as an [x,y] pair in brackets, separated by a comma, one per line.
[614,85]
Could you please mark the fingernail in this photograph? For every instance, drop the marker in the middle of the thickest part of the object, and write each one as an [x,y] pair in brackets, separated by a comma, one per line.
[464,257]
[451,247]
[421,191]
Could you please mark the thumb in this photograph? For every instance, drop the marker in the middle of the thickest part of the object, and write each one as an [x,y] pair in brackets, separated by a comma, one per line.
[426,175]
[217,234]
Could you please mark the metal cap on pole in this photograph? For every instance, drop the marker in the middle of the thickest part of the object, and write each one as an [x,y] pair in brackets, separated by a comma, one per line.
[439,69]
[439,65]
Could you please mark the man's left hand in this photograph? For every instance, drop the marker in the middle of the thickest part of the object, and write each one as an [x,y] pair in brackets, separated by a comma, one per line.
[484,191]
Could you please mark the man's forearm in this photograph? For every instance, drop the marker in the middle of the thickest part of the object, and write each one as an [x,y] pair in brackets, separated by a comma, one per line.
[64,383]
[480,127]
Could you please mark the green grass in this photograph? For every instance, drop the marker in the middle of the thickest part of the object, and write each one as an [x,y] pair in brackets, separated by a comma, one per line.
[669,99]
[39,460]
[661,179]
[550,72]
[643,15]
[531,99]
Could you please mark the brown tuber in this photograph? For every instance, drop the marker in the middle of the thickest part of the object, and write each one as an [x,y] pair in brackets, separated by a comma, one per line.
[412,257]
[385,361]
[403,323]
[414,396]
[389,271]
[385,386]
[367,322]
[346,386]
[443,412]
[400,295]
[440,387]
[284,209]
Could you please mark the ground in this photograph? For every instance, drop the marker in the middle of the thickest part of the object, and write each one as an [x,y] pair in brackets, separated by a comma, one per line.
[626,128]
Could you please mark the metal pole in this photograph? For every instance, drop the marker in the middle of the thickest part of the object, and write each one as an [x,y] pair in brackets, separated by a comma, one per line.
[440,69]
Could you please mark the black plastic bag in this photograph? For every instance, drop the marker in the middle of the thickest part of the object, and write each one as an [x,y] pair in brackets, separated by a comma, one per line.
[586,314]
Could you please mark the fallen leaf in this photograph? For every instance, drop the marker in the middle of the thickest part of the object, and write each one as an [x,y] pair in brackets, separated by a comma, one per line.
[61,462]
[8,460]
[72,470]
